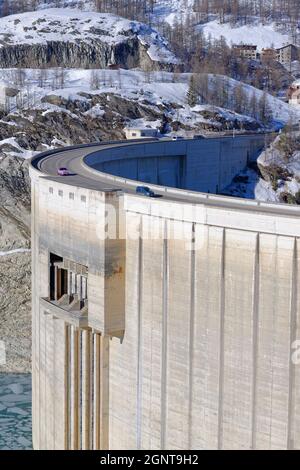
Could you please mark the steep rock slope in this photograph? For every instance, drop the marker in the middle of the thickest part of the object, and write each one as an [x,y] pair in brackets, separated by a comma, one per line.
[279,166]
[14,264]
[72,38]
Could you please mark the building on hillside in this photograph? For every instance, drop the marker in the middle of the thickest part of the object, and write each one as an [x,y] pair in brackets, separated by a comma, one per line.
[294,94]
[140,133]
[8,97]
[245,51]
[268,54]
[287,54]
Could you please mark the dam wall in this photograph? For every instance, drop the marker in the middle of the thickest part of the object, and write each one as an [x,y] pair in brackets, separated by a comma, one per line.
[186,336]
[206,165]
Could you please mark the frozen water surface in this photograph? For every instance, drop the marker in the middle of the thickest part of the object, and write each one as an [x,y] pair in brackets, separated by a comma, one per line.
[15,411]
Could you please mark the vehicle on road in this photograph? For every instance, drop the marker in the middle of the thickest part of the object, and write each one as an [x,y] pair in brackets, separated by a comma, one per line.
[145,191]
[63,172]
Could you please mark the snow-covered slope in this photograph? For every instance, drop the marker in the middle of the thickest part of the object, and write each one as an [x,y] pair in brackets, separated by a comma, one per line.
[78,27]
[106,101]
[262,35]
[281,112]
[172,11]
[277,178]
[169,11]
[280,166]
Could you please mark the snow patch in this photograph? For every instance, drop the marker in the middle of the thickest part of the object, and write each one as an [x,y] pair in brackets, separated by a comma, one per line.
[258,34]
[15,251]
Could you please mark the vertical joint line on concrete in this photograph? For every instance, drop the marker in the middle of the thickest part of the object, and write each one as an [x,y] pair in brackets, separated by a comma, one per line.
[67,386]
[293,337]
[54,381]
[139,345]
[75,388]
[86,390]
[164,338]
[255,334]
[96,392]
[45,421]
[191,336]
[221,356]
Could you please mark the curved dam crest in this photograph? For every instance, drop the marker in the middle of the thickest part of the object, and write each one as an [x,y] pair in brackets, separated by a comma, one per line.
[177,331]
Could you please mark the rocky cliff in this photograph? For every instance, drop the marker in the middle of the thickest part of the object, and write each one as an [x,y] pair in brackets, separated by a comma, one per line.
[128,54]
[15,281]
[71,38]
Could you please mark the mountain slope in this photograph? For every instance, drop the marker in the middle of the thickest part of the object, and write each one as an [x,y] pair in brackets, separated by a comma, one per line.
[80,39]
[262,35]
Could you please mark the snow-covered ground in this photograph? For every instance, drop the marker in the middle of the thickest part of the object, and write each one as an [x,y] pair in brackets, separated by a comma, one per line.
[155,87]
[168,11]
[15,251]
[172,11]
[69,25]
[157,90]
[253,185]
[262,35]
[248,184]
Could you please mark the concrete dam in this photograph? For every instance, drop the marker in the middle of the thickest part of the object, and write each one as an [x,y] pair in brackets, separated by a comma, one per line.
[168,322]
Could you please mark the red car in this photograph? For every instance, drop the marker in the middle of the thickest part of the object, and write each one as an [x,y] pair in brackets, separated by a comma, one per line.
[63,172]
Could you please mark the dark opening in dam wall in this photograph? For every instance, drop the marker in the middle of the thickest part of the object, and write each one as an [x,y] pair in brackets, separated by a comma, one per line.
[206,165]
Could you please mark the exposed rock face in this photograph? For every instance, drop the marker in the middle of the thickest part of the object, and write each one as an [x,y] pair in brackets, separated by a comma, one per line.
[128,54]
[72,38]
[15,311]
[14,204]
[15,267]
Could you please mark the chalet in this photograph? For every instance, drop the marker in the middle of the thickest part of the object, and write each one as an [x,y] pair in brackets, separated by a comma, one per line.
[294,94]
[245,51]
[268,54]
[287,54]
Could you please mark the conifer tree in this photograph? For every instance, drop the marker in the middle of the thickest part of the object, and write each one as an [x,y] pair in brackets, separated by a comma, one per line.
[192,94]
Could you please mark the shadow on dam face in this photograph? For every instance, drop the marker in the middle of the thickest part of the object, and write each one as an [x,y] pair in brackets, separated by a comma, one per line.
[206,165]
[164,171]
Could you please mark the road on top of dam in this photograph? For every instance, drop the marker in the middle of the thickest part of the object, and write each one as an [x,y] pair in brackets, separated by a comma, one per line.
[86,177]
